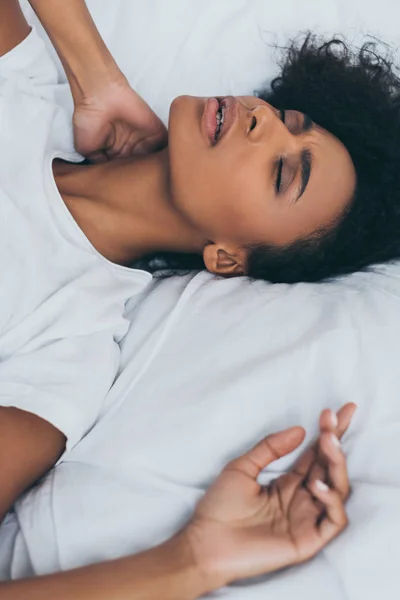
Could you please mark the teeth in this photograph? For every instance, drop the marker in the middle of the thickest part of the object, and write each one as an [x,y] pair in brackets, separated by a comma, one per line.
[220,117]
[220,121]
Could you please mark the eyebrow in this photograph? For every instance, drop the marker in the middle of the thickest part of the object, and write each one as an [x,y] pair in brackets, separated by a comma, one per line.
[306,159]
[306,165]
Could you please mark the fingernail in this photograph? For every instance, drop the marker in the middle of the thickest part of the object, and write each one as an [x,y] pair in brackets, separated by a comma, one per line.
[335,440]
[321,486]
[334,420]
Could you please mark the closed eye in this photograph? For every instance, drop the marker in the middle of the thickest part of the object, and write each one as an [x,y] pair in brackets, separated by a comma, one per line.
[305,158]
[279,175]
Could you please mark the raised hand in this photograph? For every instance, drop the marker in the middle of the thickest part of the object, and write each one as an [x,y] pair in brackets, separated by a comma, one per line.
[115,122]
[241,529]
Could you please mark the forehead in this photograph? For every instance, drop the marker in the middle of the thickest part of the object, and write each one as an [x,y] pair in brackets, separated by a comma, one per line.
[333,177]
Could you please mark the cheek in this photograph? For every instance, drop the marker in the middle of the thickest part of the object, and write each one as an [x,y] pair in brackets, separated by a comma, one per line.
[225,198]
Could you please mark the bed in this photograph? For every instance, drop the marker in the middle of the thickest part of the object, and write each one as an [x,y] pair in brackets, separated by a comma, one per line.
[210,365]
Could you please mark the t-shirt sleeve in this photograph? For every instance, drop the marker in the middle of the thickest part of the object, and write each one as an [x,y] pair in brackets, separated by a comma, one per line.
[64,382]
[30,67]
[60,360]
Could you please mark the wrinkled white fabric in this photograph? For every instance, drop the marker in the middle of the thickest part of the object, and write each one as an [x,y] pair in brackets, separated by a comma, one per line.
[209,367]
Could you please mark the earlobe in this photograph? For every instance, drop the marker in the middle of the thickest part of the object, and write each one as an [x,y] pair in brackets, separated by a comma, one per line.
[224,260]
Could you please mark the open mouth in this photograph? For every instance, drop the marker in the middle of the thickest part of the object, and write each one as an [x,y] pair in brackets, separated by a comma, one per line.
[220,117]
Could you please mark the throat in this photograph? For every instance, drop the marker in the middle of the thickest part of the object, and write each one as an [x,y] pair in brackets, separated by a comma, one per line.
[124,207]
[98,220]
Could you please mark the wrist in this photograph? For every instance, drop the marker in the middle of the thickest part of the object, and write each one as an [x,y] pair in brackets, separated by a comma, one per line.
[88,82]
[206,547]
[180,550]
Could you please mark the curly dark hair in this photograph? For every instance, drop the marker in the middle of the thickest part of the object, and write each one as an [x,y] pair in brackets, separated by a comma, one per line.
[354,94]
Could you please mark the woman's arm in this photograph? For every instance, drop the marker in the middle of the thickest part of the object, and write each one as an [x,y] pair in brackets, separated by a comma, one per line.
[13,25]
[166,572]
[111,120]
[29,447]
[239,529]
[87,61]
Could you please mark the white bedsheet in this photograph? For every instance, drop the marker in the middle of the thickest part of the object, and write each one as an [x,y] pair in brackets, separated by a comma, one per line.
[214,369]
[212,366]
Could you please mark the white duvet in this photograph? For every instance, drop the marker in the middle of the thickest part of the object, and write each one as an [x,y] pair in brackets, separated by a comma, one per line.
[211,366]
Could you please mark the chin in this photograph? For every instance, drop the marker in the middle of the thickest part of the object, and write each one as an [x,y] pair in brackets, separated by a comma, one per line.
[184,131]
[185,116]
[178,108]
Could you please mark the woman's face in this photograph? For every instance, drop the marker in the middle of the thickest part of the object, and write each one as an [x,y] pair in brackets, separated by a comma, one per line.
[267,178]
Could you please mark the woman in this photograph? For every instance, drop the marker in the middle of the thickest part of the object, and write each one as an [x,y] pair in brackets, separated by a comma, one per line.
[126,211]
[309,199]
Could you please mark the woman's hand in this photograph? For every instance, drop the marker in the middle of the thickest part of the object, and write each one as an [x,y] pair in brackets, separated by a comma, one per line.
[115,122]
[241,529]
[111,120]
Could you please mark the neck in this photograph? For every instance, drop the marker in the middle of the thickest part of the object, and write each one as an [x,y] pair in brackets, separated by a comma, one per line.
[124,207]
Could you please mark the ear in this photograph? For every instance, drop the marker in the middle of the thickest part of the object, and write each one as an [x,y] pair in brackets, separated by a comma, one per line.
[226,260]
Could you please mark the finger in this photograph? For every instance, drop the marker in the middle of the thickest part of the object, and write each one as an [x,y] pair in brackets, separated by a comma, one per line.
[99,156]
[337,424]
[269,449]
[328,420]
[311,465]
[336,464]
[123,151]
[149,144]
[335,518]
[328,423]
[345,416]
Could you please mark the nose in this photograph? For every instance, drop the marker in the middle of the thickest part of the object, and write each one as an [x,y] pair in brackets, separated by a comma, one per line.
[266,127]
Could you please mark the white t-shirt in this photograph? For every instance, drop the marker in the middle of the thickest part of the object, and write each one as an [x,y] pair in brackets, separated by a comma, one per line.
[61,303]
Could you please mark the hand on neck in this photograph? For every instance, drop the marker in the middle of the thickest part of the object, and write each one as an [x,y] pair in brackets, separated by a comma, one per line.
[124,207]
